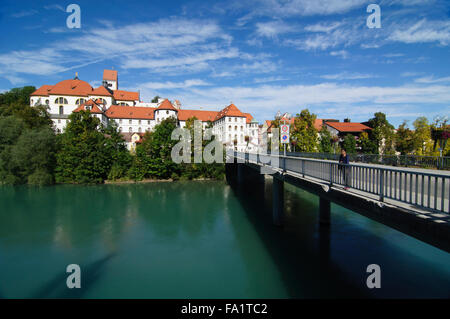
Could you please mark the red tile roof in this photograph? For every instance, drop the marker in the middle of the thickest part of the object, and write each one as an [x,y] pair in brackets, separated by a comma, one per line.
[126,95]
[230,110]
[72,87]
[348,126]
[249,117]
[101,91]
[95,108]
[130,112]
[317,123]
[203,116]
[166,105]
[43,90]
[110,75]
[67,87]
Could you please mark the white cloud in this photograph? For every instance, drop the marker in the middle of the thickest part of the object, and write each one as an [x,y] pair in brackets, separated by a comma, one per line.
[325,99]
[423,31]
[283,8]
[54,7]
[342,53]
[322,27]
[168,45]
[270,79]
[273,28]
[174,85]
[347,76]
[432,79]
[25,13]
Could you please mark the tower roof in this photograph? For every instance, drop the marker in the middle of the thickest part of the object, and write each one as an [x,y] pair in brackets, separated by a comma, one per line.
[166,105]
[110,75]
[230,110]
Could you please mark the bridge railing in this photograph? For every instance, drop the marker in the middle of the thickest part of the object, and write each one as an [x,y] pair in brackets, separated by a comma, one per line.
[391,160]
[425,190]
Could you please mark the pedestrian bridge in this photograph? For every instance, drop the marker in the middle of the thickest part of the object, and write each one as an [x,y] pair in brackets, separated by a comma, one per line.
[414,201]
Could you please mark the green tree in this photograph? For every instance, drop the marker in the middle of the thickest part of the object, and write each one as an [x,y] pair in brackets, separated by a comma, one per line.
[83,157]
[305,132]
[325,144]
[155,99]
[349,144]
[423,144]
[153,155]
[117,151]
[382,134]
[404,139]
[367,145]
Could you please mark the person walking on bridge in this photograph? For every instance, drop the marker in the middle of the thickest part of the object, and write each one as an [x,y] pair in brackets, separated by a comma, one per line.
[344,168]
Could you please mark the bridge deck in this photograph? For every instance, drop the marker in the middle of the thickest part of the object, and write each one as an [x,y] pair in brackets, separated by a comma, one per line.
[411,201]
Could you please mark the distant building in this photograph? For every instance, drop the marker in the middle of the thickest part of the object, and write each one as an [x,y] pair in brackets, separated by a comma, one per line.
[232,127]
[343,128]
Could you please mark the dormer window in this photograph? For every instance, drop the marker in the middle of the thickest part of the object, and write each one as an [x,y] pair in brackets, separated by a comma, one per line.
[80,101]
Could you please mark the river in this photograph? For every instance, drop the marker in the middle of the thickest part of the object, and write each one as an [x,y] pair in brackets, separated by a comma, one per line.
[201,239]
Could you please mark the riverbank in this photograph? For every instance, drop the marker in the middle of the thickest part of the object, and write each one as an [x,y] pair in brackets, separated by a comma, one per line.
[150,180]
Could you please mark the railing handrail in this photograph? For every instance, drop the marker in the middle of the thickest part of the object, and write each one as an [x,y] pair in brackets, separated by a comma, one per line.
[426,190]
[387,168]
[424,161]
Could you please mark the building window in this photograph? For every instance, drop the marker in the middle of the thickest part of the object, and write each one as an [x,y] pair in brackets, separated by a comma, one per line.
[235,119]
[129,121]
[139,121]
[167,112]
[79,101]
[229,128]
[47,102]
[61,109]
[61,100]
[235,128]
[120,121]
[139,130]
[129,130]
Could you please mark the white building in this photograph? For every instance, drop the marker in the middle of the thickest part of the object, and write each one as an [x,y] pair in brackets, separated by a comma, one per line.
[108,103]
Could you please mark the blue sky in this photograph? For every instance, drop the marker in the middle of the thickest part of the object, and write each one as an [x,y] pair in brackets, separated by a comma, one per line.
[263,55]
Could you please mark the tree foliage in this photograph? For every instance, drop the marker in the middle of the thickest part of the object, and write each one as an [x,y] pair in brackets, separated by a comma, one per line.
[304,131]
[382,134]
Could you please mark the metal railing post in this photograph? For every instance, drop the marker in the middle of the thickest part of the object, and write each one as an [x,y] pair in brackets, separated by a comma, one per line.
[331,174]
[303,168]
[381,185]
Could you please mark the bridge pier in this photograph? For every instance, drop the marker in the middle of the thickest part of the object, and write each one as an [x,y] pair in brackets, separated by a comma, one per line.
[324,211]
[240,173]
[278,201]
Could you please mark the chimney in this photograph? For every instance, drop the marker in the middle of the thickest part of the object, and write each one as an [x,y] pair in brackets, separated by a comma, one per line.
[347,120]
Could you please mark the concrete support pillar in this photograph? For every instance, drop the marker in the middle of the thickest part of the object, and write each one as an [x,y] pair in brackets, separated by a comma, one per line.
[278,201]
[324,211]
[240,173]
